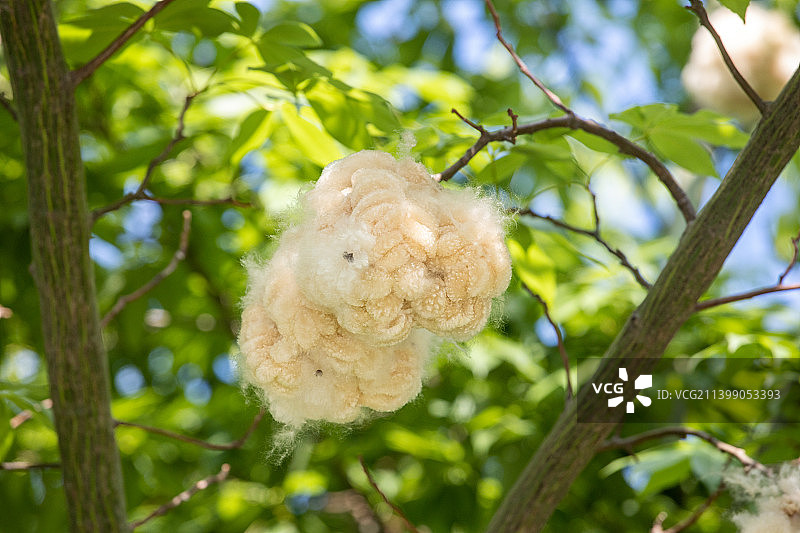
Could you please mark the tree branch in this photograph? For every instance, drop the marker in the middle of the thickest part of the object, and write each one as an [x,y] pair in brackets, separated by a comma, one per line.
[178,256]
[238,443]
[141,191]
[554,99]
[80,74]
[628,443]
[714,302]
[574,122]
[562,350]
[594,234]
[690,520]
[625,146]
[356,505]
[690,270]
[22,465]
[8,105]
[696,7]
[792,261]
[779,287]
[388,502]
[185,495]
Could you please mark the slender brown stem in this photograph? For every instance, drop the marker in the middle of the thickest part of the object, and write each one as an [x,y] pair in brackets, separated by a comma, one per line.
[714,302]
[696,7]
[573,122]
[562,350]
[178,256]
[141,192]
[554,99]
[185,495]
[8,105]
[779,287]
[356,505]
[22,465]
[691,519]
[627,443]
[793,261]
[195,201]
[594,234]
[383,496]
[238,443]
[80,74]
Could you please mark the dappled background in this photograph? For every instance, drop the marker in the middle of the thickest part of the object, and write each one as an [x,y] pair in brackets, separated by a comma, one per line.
[277,89]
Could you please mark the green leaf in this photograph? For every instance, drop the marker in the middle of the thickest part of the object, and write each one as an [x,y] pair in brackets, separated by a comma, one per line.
[253,132]
[501,169]
[249,16]
[645,117]
[737,6]
[293,34]
[315,144]
[187,14]
[598,144]
[535,268]
[108,18]
[341,115]
[704,125]
[683,151]
[289,64]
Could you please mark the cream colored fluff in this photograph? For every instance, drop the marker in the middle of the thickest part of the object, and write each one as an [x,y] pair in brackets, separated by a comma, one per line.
[777,501]
[334,321]
[765,49]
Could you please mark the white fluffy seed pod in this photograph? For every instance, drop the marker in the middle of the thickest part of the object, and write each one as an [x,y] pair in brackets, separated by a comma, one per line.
[342,316]
[765,49]
[777,501]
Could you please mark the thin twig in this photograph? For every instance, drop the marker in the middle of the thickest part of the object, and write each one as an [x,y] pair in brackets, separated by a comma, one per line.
[356,505]
[185,495]
[594,234]
[627,443]
[556,101]
[696,7]
[22,465]
[238,443]
[177,257]
[514,118]
[25,415]
[8,105]
[691,519]
[779,287]
[793,261]
[562,350]
[478,127]
[141,192]
[395,508]
[80,74]
[195,201]
[714,302]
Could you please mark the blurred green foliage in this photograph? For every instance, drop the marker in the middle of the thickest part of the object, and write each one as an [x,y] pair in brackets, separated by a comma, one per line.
[284,88]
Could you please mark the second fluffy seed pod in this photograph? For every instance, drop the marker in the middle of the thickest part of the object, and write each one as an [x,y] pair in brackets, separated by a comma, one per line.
[765,49]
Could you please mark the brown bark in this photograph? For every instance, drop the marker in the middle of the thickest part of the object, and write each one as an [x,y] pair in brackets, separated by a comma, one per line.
[691,269]
[59,225]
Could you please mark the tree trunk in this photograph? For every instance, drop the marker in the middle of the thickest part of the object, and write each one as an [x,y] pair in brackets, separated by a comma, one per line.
[59,227]
[689,272]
